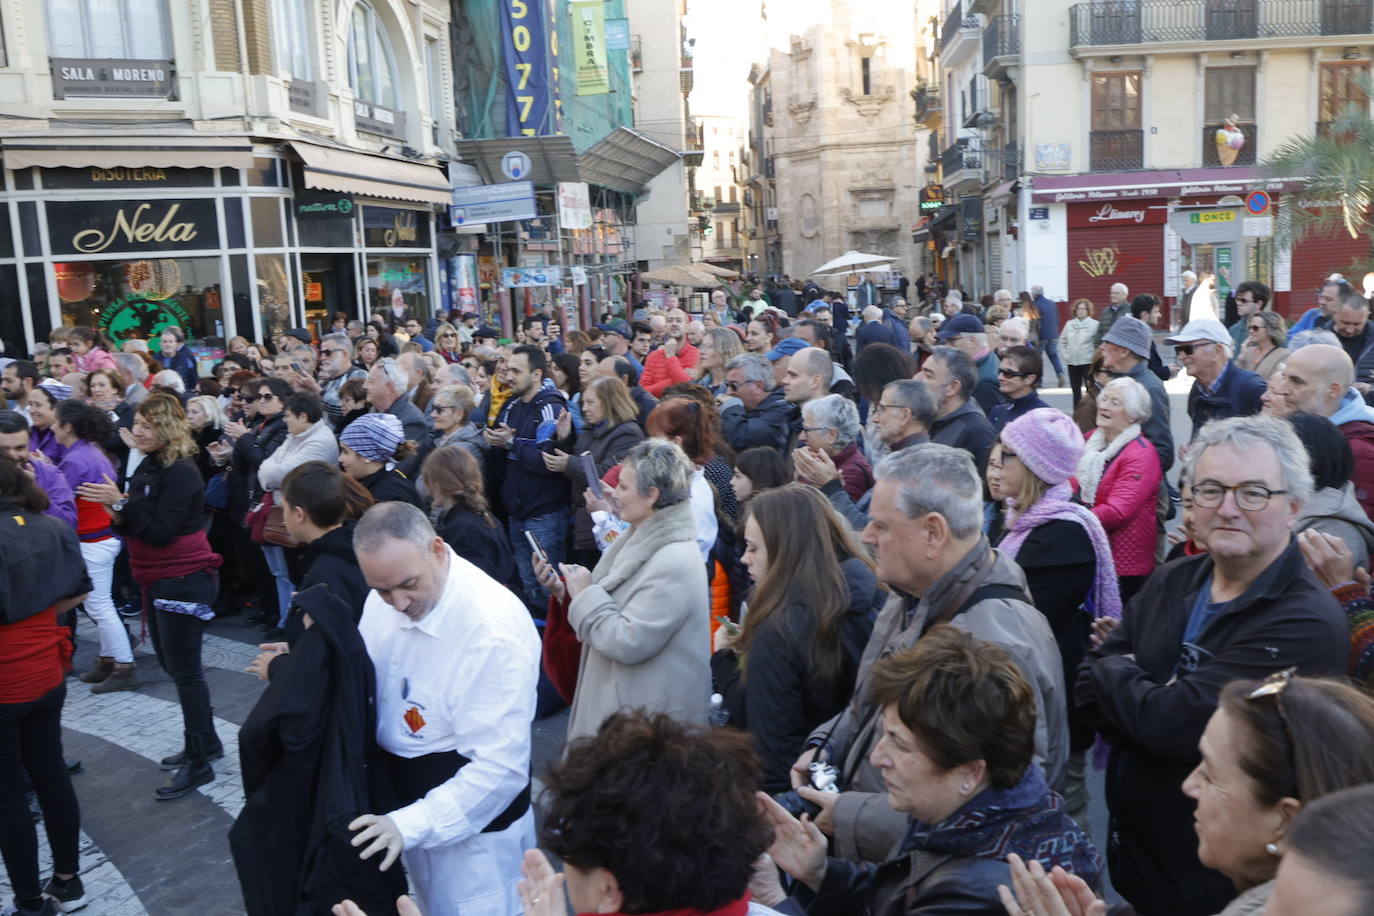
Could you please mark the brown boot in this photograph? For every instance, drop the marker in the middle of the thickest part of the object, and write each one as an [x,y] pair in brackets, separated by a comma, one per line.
[103,667]
[124,677]
[1063,381]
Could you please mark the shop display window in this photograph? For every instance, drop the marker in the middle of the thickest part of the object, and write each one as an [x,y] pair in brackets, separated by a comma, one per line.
[140,297]
[398,283]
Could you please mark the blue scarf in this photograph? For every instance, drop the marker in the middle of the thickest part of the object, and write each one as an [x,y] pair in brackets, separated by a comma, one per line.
[1027,819]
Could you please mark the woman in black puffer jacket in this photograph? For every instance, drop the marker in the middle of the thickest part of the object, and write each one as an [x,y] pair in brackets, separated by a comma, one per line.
[252,444]
[809,616]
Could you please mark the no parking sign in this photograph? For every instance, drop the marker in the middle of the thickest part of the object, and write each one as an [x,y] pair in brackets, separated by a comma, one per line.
[1257,202]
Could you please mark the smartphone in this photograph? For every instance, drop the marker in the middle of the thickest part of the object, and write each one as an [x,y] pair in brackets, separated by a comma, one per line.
[730,626]
[538,551]
[296,367]
[593,479]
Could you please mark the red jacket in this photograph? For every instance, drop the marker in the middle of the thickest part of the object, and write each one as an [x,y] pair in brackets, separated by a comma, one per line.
[1125,506]
[855,471]
[661,370]
[1360,435]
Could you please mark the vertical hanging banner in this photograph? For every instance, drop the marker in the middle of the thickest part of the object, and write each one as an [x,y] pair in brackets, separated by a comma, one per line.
[574,205]
[556,87]
[589,46]
[525,48]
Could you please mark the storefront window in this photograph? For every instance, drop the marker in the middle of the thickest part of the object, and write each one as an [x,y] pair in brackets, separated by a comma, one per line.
[398,284]
[139,298]
[266,212]
[274,294]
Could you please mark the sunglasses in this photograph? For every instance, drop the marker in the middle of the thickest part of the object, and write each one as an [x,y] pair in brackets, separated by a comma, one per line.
[248,398]
[1187,349]
[1012,373]
[1256,327]
[1273,686]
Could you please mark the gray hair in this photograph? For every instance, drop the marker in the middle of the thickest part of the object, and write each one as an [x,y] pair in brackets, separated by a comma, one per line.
[213,409]
[453,374]
[936,478]
[1245,434]
[1002,293]
[660,464]
[835,412]
[1037,291]
[960,367]
[727,343]
[1310,337]
[392,521]
[872,313]
[354,325]
[133,364]
[815,361]
[755,368]
[343,340]
[914,396]
[1133,395]
[170,378]
[1189,273]
[459,396]
[395,373]
[1016,323]
[1125,290]
[953,298]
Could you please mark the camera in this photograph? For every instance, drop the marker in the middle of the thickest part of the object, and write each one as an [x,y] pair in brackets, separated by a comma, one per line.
[824,778]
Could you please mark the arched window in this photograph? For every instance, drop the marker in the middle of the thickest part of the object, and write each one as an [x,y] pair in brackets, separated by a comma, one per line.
[108,29]
[295,38]
[371,65]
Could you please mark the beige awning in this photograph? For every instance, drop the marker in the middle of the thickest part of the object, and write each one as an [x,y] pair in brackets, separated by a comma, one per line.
[625,160]
[112,152]
[331,169]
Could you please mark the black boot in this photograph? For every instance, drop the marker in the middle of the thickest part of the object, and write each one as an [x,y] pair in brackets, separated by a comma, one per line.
[194,772]
[214,751]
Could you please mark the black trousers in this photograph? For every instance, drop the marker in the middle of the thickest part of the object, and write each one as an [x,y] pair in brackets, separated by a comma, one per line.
[31,743]
[1077,375]
[177,641]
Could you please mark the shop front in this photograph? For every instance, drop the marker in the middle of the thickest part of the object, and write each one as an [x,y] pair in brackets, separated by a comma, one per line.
[1145,228]
[240,241]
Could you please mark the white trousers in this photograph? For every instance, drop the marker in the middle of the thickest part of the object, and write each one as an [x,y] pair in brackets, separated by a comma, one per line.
[100,560]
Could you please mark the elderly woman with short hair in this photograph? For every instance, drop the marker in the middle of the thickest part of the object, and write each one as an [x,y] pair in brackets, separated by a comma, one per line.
[1118,476]
[831,425]
[1265,347]
[452,419]
[641,614]
[718,346]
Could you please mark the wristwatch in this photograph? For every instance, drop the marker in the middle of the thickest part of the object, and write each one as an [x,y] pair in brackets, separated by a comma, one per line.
[119,505]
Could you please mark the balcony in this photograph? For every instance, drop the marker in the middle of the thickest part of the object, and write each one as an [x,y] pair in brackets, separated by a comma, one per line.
[1246,155]
[1116,150]
[1154,22]
[928,105]
[959,33]
[1001,45]
[961,166]
[727,207]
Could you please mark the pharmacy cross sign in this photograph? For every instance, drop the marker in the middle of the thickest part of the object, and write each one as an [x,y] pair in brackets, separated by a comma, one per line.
[515,165]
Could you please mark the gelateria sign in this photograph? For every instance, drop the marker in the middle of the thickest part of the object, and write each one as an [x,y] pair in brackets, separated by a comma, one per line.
[99,227]
[136,315]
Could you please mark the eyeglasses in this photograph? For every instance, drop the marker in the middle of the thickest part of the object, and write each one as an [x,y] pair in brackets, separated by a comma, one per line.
[267,397]
[736,386]
[880,406]
[439,407]
[816,429]
[1256,327]
[1012,373]
[1274,686]
[332,351]
[1251,497]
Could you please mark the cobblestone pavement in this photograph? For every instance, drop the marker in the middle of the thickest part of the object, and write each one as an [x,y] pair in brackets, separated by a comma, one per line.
[141,856]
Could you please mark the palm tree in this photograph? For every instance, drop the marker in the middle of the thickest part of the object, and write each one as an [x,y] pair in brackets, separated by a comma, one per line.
[1336,165]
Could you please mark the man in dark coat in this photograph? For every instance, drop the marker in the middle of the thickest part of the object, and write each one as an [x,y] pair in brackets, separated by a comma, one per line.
[1247,608]
[304,751]
[1220,388]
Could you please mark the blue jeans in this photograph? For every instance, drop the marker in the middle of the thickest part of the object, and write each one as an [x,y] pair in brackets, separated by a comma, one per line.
[551,531]
[1050,347]
[276,564]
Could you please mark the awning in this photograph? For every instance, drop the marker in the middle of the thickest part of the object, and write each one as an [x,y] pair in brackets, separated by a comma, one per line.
[1054,189]
[1003,191]
[112,152]
[366,175]
[625,160]
[942,219]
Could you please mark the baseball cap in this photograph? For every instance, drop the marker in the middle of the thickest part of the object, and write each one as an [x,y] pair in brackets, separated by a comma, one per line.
[1202,329]
[1132,334]
[617,327]
[960,324]
[487,330]
[786,347]
[300,334]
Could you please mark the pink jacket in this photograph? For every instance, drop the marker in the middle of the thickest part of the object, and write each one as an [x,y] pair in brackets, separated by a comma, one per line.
[97,358]
[1125,505]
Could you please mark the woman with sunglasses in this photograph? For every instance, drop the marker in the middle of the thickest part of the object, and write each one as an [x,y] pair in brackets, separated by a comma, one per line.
[1018,373]
[1270,749]
[1263,350]
[447,343]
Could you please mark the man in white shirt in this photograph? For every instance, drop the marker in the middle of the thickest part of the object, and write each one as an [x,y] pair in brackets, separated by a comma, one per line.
[457,661]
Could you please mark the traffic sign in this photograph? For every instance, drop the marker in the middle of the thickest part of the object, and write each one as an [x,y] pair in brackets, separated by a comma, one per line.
[493,203]
[1257,202]
[515,165]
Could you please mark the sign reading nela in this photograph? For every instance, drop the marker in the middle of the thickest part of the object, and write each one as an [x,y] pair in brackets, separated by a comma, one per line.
[97,227]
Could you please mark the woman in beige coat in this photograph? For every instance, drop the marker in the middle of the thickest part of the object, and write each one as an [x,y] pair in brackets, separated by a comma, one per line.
[642,614]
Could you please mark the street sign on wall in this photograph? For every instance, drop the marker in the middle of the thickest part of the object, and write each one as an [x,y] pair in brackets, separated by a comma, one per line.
[493,203]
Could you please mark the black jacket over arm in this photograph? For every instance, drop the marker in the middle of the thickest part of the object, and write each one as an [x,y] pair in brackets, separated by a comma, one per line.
[1129,688]
[307,751]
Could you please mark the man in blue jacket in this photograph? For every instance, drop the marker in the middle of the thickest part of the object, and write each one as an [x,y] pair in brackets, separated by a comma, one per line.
[536,499]
[175,356]
[1220,388]
[1049,331]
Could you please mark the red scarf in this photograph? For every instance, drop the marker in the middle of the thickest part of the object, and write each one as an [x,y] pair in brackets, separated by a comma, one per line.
[35,653]
[187,554]
[736,908]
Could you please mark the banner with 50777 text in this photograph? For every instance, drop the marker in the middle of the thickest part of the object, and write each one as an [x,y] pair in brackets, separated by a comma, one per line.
[526,51]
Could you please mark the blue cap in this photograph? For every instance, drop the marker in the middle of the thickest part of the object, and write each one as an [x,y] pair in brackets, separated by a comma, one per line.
[617,327]
[960,324]
[786,347]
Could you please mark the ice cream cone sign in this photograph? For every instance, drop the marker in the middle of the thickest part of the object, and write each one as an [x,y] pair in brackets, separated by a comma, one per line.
[1229,139]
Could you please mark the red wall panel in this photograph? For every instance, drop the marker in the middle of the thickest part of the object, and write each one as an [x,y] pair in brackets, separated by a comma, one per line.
[1099,257]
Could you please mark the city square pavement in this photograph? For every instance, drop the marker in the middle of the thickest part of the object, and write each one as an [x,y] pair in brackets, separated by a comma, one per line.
[170,858]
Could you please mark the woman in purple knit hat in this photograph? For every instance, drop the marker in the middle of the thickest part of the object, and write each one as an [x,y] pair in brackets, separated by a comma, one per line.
[1061,547]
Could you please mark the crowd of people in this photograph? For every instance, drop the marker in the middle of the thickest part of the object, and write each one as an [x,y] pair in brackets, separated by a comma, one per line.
[844,617]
